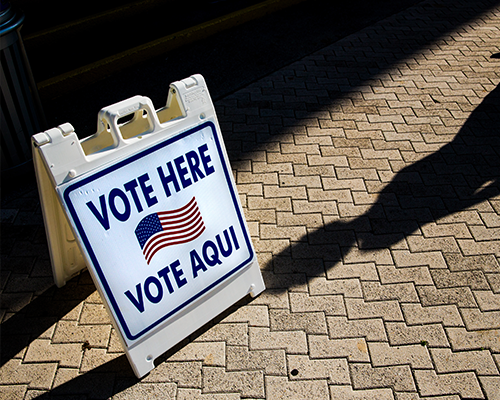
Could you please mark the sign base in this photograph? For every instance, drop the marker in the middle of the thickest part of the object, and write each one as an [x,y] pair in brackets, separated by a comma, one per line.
[142,355]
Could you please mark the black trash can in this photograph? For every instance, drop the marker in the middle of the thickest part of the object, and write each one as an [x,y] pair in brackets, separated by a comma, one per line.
[21,114]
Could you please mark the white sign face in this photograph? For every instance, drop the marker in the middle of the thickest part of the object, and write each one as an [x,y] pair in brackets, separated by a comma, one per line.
[160,228]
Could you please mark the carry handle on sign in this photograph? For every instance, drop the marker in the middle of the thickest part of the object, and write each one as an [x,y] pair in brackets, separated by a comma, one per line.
[149,204]
[144,119]
[113,132]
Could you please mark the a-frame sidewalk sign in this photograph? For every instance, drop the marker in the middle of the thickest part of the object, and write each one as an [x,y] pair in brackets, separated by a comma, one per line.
[149,205]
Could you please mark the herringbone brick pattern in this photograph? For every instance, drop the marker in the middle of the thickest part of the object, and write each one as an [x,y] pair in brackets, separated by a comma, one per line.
[369,173]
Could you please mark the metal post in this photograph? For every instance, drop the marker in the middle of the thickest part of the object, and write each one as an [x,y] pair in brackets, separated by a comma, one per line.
[21,114]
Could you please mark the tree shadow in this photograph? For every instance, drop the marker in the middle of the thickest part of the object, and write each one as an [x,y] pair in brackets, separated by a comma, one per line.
[462,174]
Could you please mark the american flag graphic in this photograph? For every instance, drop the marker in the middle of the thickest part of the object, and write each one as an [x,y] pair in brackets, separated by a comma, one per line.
[167,228]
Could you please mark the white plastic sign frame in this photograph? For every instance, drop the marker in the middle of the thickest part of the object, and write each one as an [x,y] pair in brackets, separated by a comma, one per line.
[151,208]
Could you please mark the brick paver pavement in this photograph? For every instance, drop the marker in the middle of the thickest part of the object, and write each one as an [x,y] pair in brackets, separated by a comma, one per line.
[369,173]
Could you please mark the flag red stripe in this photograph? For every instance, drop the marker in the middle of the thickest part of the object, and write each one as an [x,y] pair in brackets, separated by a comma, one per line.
[178,215]
[164,236]
[182,239]
[182,224]
[179,226]
[173,218]
[166,223]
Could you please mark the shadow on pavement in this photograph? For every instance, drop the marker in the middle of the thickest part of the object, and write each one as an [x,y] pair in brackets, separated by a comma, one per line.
[100,383]
[41,313]
[462,174]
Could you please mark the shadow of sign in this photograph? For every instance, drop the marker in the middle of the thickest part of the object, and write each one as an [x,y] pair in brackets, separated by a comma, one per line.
[40,314]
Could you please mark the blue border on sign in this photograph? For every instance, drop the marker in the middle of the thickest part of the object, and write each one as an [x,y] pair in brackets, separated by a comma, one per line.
[95,261]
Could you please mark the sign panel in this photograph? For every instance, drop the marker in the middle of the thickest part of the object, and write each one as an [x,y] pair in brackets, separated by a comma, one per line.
[161,228]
